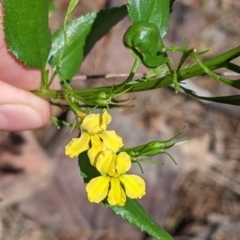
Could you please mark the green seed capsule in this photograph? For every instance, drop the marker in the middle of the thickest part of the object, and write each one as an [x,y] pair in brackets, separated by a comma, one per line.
[144,40]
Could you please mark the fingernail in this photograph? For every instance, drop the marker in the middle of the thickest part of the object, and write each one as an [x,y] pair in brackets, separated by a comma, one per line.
[19,117]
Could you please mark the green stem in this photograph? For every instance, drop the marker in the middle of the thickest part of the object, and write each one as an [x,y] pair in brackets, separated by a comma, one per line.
[183,58]
[165,81]
[50,94]
[226,81]
[133,70]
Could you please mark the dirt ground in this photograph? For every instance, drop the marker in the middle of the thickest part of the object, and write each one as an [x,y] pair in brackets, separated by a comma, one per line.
[43,196]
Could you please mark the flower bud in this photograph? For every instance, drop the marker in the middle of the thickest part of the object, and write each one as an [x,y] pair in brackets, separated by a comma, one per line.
[149,149]
[152,148]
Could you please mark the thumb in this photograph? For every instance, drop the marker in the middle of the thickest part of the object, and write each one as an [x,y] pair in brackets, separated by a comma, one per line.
[21,110]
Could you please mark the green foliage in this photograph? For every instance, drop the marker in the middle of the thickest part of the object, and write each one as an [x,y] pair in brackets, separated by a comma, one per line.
[73,42]
[70,54]
[135,214]
[152,11]
[86,169]
[143,39]
[26,31]
[233,100]
[150,22]
[71,7]
[104,21]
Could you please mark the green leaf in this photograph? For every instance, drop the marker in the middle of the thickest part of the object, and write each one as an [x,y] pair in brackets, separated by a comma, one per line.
[69,55]
[152,11]
[136,215]
[233,67]
[232,100]
[71,7]
[81,34]
[26,31]
[52,6]
[87,171]
[104,21]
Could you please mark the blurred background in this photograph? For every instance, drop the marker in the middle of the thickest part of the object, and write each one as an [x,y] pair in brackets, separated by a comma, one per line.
[43,195]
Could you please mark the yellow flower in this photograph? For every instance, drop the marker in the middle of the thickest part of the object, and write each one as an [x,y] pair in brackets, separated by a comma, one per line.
[80,117]
[113,168]
[93,128]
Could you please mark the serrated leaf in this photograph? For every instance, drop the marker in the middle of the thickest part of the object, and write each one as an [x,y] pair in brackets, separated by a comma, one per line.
[26,31]
[82,33]
[152,11]
[136,215]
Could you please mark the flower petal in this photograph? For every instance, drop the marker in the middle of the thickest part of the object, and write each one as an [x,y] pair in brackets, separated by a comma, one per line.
[106,117]
[111,140]
[91,123]
[134,185]
[116,195]
[80,117]
[106,162]
[123,163]
[95,149]
[77,145]
[97,189]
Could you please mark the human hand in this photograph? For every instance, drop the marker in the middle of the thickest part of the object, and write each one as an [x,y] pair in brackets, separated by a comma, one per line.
[19,108]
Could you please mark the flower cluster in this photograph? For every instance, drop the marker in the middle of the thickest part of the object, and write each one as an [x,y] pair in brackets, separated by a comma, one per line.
[103,147]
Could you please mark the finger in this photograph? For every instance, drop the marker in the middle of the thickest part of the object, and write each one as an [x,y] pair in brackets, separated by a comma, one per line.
[21,110]
[12,70]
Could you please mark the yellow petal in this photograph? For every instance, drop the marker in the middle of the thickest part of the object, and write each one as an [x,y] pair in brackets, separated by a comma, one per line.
[111,140]
[97,189]
[91,123]
[106,117]
[80,117]
[95,149]
[123,163]
[106,161]
[77,145]
[116,195]
[134,185]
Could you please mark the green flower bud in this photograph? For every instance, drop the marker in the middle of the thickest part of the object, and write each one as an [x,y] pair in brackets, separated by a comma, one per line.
[103,99]
[102,96]
[149,149]
[152,148]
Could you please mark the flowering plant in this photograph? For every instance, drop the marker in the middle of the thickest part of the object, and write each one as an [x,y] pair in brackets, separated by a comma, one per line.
[103,158]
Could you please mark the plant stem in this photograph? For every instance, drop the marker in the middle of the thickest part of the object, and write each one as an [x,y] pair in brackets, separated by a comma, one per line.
[165,81]
[50,94]
[133,70]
